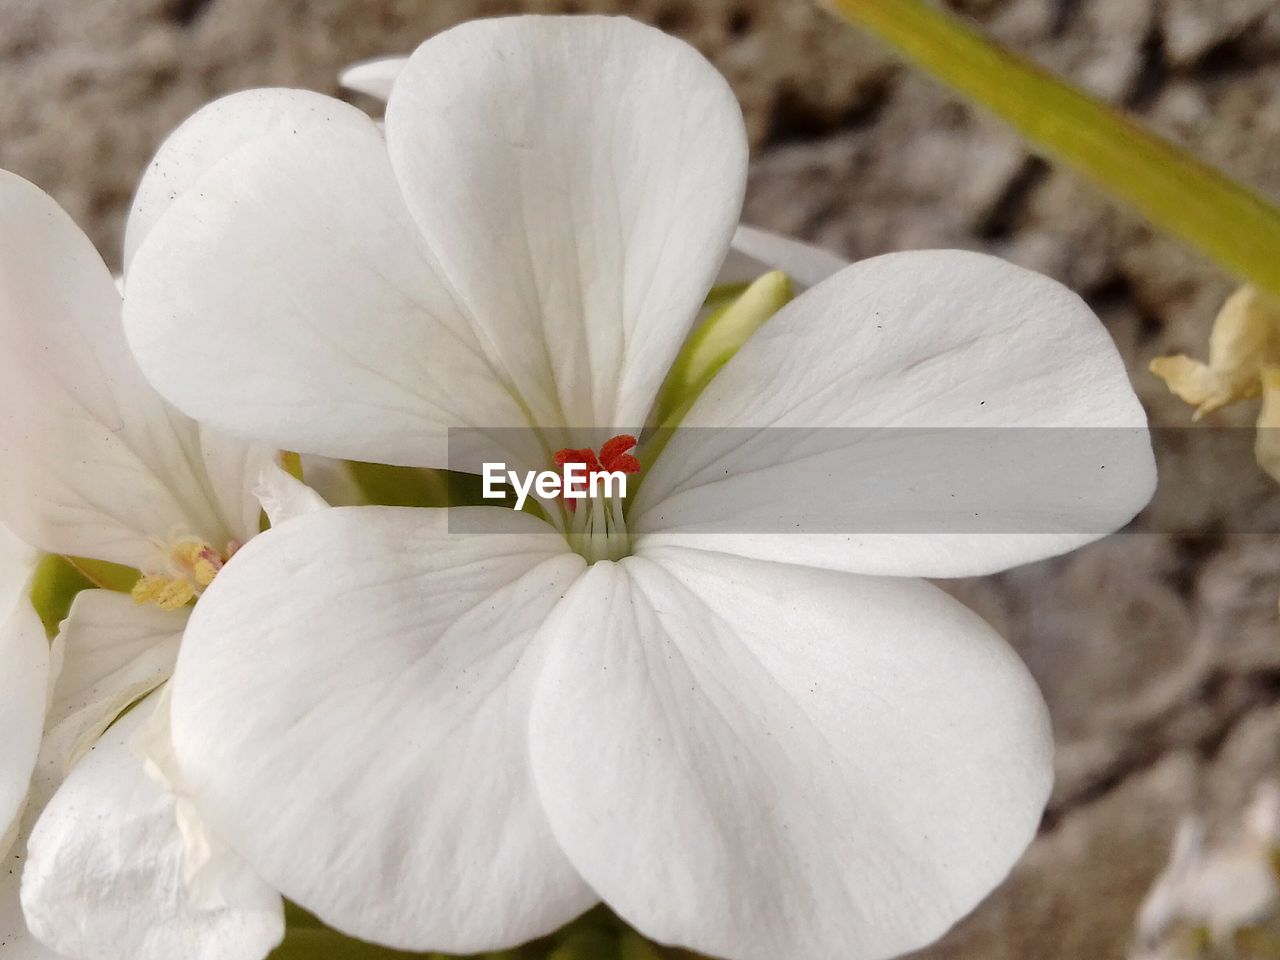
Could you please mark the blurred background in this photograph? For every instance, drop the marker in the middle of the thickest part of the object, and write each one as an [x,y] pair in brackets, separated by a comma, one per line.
[1159,652]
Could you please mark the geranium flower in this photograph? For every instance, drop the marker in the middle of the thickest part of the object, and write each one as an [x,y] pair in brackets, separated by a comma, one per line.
[749,743]
[98,467]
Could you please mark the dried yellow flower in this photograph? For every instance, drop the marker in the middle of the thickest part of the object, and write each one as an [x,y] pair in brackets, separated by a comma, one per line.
[1244,342]
[1244,362]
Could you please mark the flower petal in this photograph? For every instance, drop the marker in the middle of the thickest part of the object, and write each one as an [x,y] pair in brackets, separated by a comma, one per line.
[373,77]
[15,940]
[381,780]
[106,877]
[926,414]
[24,683]
[17,564]
[580,179]
[284,497]
[234,468]
[757,760]
[756,252]
[214,132]
[114,652]
[291,298]
[95,463]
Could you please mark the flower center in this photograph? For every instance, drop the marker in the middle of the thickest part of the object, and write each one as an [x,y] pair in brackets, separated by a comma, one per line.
[187,566]
[595,524]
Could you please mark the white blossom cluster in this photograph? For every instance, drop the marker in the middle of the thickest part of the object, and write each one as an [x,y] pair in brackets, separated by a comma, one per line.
[754,746]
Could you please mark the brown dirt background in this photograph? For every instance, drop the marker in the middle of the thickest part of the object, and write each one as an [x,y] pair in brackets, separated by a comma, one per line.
[1158,652]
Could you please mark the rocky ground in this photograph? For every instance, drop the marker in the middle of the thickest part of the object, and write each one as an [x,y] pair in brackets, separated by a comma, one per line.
[1159,651]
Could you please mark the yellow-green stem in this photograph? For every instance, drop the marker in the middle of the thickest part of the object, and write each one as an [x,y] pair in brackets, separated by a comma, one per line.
[741,312]
[1175,191]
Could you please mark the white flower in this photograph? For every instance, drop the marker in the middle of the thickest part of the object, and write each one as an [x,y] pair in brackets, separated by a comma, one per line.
[98,467]
[754,745]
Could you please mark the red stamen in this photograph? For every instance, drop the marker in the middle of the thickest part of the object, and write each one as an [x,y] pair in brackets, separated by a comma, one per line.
[614,458]
[584,456]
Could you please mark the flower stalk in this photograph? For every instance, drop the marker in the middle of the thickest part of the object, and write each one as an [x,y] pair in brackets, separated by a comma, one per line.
[1175,191]
[736,315]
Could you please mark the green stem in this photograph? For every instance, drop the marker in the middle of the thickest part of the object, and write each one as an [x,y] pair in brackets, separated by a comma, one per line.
[1175,191]
[740,312]
[400,486]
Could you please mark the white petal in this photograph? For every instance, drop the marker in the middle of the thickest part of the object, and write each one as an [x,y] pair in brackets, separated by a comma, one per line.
[95,463]
[16,942]
[756,760]
[24,681]
[757,251]
[234,469]
[373,77]
[381,779]
[114,652]
[105,874]
[283,496]
[291,298]
[17,562]
[580,179]
[213,874]
[925,414]
[211,134]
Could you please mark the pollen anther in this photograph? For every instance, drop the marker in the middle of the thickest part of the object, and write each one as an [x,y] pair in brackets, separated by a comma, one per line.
[189,565]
